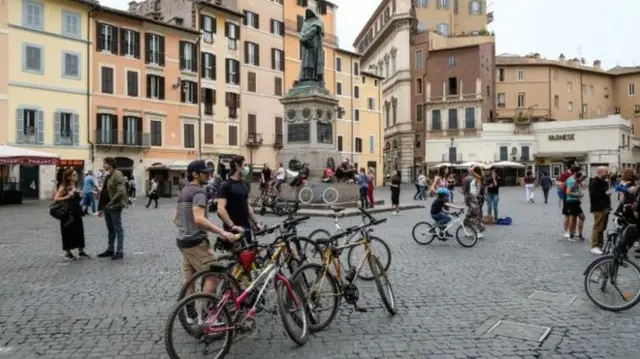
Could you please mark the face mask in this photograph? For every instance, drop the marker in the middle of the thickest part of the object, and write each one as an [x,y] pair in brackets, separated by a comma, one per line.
[245,171]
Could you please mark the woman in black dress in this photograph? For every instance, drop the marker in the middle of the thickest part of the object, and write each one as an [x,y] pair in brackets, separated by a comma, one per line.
[72,228]
[395,192]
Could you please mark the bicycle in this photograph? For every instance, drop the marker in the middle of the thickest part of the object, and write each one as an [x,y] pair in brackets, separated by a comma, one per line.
[608,267]
[306,194]
[214,320]
[342,287]
[323,233]
[431,232]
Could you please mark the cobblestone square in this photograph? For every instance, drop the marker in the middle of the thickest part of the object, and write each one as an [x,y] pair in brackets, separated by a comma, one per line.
[449,297]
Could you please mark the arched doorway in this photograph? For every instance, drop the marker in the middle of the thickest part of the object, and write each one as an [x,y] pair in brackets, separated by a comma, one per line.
[125,165]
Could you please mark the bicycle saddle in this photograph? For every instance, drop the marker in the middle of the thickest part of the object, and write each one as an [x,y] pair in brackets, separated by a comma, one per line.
[323,241]
[337,209]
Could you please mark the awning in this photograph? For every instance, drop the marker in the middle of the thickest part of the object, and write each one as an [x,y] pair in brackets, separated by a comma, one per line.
[17,155]
[559,154]
[179,165]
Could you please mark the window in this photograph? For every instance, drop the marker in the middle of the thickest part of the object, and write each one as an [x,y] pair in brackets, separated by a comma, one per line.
[443,29]
[419,112]
[208,133]
[436,122]
[251,82]
[130,44]
[277,86]
[453,86]
[356,69]
[569,87]
[356,115]
[277,27]
[358,146]
[154,49]
[502,100]
[232,72]
[132,83]
[501,74]
[443,4]
[251,53]
[33,59]
[606,92]
[338,64]
[356,91]
[416,141]
[233,135]
[421,3]
[209,100]
[302,3]
[395,111]
[341,112]
[277,59]
[188,56]
[251,19]
[504,153]
[106,78]
[470,117]
[556,74]
[232,102]
[419,59]
[66,129]
[372,144]
[422,26]
[453,118]
[299,22]
[520,74]
[521,102]
[71,24]
[584,89]
[324,133]
[71,65]
[30,126]
[585,110]
[208,26]
[189,93]
[475,7]
[371,103]
[636,109]
[33,14]
[632,89]
[132,134]
[107,38]
[452,61]
[556,101]
[232,32]
[208,66]
[156,133]
[593,90]
[155,87]
[364,80]
[339,88]
[340,143]
[524,153]
[107,129]
[570,106]
[189,134]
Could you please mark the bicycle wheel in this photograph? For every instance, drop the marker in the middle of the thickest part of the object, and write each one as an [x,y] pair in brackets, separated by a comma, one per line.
[214,322]
[288,296]
[384,287]
[379,247]
[423,233]
[604,272]
[469,236]
[330,195]
[308,249]
[306,195]
[310,279]
[319,233]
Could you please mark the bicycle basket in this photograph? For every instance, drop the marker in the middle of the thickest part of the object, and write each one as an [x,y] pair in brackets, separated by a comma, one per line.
[628,237]
[247,257]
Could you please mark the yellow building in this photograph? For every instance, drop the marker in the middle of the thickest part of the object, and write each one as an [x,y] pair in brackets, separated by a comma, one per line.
[359,120]
[49,104]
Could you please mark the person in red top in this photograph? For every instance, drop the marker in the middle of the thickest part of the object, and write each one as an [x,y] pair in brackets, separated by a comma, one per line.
[562,180]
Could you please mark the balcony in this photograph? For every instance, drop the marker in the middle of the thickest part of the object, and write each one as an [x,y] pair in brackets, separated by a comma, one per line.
[452,157]
[489,17]
[254,140]
[455,98]
[292,27]
[233,112]
[278,141]
[108,138]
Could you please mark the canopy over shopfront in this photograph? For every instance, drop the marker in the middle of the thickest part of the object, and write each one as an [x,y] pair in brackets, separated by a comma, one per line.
[21,156]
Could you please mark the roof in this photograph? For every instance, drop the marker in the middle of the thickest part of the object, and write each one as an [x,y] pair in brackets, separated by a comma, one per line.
[624,70]
[146,19]
[348,52]
[537,61]
[370,74]
[94,3]
[371,20]
[221,8]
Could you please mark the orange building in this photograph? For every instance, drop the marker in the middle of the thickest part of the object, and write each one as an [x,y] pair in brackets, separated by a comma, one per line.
[145,87]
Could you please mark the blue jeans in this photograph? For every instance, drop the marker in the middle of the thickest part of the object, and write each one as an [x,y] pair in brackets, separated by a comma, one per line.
[113,218]
[89,198]
[441,218]
[492,203]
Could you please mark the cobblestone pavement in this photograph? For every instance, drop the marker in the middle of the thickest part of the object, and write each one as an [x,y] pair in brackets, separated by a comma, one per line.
[448,296]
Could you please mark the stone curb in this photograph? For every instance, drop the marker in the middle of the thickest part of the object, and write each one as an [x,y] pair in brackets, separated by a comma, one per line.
[347,213]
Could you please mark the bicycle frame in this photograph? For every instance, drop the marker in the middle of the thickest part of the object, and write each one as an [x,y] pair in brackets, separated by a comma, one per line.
[339,229]
[333,258]
[454,221]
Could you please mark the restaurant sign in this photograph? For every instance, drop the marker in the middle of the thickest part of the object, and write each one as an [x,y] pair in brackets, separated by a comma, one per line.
[71,163]
[28,161]
[563,137]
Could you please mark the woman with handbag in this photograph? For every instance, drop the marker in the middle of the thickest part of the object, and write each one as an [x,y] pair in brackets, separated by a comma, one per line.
[71,226]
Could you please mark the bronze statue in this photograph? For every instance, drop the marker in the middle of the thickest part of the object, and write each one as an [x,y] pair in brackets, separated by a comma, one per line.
[311,35]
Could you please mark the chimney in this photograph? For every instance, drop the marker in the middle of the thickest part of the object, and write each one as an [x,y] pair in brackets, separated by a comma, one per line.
[561,58]
[133,6]
[597,64]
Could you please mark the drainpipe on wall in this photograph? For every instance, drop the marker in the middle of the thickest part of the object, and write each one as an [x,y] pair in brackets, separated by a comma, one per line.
[198,8]
[89,71]
[581,98]
[381,133]
[353,110]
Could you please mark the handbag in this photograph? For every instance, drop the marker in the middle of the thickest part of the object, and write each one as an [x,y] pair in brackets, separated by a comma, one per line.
[59,210]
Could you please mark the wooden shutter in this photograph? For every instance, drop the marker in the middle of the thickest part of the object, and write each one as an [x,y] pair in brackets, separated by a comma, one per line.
[226,69]
[202,64]
[208,133]
[214,25]
[201,27]
[257,47]
[273,59]
[237,63]
[300,20]
[149,86]
[213,66]
[194,56]
[227,101]
[281,25]
[56,128]
[183,65]
[136,45]
[147,46]
[161,86]
[256,21]
[213,96]
[244,18]
[277,86]
[114,49]
[271,26]
[75,127]
[246,52]
[252,124]
[226,29]
[161,50]
[233,136]
[99,37]
[278,126]
[251,82]
[182,95]
[123,42]
[19,125]
[194,88]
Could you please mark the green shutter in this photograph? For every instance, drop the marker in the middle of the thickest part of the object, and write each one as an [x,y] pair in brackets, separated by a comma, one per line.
[56,128]
[19,126]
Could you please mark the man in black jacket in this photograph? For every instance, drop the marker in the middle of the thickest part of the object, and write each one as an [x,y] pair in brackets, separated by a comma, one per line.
[600,196]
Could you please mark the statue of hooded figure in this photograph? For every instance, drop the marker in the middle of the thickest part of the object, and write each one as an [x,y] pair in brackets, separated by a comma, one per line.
[311,37]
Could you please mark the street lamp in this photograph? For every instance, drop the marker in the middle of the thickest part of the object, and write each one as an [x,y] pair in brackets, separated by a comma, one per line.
[452,143]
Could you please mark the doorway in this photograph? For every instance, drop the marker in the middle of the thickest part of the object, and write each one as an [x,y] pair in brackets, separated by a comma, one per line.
[30,181]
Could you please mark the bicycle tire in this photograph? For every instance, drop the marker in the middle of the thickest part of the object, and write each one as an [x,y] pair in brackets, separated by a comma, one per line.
[263,211]
[353,263]
[472,231]
[310,248]
[301,281]
[388,299]
[431,235]
[303,198]
[298,339]
[177,309]
[593,267]
[319,233]
[335,195]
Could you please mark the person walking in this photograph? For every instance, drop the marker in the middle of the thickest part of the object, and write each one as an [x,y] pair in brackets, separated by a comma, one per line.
[396,180]
[600,198]
[421,186]
[113,199]
[71,228]
[574,200]
[529,184]
[440,181]
[546,184]
[153,193]
[88,194]
[363,183]
[451,183]
[492,185]
[372,180]
[474,201]
[562,195]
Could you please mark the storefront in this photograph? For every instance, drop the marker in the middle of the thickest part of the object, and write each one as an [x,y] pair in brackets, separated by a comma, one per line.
[20,173]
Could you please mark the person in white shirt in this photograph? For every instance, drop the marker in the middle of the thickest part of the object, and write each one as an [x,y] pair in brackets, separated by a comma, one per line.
[280,177]
[153,193]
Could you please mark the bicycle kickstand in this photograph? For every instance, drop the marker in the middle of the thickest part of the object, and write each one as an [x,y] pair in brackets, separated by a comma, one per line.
[358,309]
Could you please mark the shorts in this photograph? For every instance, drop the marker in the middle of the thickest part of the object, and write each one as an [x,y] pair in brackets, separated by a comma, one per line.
[196,258]
[565,210]
[573,208]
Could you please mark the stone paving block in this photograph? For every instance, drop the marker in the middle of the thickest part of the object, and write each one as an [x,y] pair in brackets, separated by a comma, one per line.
[557,298]
[520,331]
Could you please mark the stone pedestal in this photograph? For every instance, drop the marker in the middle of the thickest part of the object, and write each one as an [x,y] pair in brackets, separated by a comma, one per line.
[310,126]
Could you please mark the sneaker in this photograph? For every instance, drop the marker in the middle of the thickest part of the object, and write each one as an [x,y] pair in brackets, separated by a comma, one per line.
[83,255]
[573,238]
[596,250]
[567,235]
[448,234]
[480,235]
[106,254]
[394,213]
[192,314]
[117,256]
[580,238]
[69,256]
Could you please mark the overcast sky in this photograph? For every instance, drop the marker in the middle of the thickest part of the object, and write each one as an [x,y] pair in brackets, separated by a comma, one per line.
[592,29]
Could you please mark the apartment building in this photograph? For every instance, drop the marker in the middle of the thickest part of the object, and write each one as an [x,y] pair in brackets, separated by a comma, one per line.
[627,100]
[145,96]
[44,85]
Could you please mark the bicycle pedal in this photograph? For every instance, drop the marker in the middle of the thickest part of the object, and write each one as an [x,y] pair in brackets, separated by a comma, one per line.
[361,310]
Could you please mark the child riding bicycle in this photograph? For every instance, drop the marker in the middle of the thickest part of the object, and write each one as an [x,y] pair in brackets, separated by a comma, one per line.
[441,206]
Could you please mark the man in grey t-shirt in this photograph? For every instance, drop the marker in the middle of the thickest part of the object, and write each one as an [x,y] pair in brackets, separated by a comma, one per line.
[191,219]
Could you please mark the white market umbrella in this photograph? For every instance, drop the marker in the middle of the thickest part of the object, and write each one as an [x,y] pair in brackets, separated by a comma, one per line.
[507,164]
[10,152]
[471,163]
[446,164]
